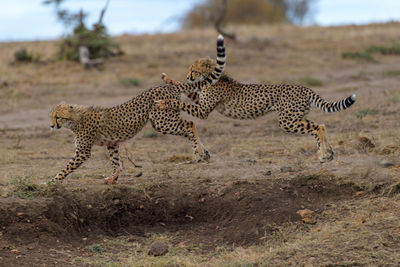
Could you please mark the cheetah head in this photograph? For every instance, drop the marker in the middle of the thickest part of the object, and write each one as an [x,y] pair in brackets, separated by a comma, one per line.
[200,69]
[63,115]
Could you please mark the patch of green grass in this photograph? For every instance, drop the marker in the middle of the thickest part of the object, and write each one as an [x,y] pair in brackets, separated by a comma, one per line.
[361,75]
[153,65]
[364,112]
[369,51]
[310,81]
[97,249]
[24,188]
[151,133]
[392,73]
[130,82]
[394,99]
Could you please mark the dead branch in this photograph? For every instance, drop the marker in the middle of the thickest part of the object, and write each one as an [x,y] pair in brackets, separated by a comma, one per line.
[84,57]
[128,156]
[219,19]
[99,24]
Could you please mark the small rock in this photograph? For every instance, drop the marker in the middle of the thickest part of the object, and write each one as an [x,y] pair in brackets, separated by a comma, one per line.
[267,173]
[286,169]
[359,193]
[139,174]
[158,248]
[251,161]
[307,216]
[15,251]
[3,83]
[386,163]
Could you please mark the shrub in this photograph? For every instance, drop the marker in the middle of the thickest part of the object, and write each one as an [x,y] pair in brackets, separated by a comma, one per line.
[369,51]
[23,56]
[96,40]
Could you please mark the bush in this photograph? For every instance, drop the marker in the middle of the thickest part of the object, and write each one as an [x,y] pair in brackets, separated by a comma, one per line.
[22,55]
[96,40]
[369,51]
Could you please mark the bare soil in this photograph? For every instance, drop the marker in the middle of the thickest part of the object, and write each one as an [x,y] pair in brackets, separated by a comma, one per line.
[242,213]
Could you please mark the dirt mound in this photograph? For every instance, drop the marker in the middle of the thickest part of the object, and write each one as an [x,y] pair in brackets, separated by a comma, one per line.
[240,213]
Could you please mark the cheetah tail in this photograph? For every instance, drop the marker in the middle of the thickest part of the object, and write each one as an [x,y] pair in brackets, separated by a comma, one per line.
[333,106]
[221,62]
[213,77]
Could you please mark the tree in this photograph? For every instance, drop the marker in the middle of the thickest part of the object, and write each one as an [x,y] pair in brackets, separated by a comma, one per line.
[207,13]
[96,40]
[299,10]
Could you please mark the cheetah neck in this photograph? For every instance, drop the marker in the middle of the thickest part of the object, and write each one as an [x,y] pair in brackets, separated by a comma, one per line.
[225,79]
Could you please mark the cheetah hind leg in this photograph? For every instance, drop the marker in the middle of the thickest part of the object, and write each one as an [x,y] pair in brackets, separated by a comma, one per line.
[113,151]
[304,126]
[325,151]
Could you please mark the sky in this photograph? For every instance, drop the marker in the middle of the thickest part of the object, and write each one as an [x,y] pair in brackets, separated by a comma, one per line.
[31,20]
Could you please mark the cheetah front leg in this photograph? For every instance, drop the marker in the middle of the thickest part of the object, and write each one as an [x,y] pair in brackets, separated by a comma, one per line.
[113,151]
[169,122]
[200,111]
[81,155]
[194,96]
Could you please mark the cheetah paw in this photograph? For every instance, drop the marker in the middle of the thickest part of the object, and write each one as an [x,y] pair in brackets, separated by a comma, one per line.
[162,104]
[328,156]
[205,156]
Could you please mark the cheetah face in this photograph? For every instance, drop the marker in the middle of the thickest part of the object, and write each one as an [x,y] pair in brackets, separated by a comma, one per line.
[200,70]
[61,115]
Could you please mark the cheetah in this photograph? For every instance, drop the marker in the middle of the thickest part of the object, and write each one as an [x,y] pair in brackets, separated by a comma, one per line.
[248,101]
[111,126]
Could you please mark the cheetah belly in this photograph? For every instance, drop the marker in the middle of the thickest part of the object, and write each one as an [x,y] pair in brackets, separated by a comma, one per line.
[118,133]
[243,111]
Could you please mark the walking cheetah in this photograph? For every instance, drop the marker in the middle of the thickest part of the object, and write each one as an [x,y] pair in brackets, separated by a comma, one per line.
[111,126]
[248,101]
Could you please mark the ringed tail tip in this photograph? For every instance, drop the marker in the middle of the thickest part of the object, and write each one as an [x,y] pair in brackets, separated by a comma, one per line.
[353,97]
[220,40]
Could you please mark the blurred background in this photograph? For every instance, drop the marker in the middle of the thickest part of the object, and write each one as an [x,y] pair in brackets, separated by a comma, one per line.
[104,52]
[25,20]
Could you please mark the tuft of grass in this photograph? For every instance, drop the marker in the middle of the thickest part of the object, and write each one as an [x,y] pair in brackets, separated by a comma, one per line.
[310,81]
[369,51]
[392,73]
[18,139]
[23,56]
[97,249]
[364,112]
[153,65]
[130,82]
[361,75]
[151,133]
[24,188]
[394,99]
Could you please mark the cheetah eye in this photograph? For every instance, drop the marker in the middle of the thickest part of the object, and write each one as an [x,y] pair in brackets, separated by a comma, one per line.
[57,117]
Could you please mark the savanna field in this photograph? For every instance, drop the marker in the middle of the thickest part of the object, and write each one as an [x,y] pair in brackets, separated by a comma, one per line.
[262,200]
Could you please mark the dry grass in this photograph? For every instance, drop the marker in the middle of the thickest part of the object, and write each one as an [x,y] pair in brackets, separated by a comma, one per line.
[362,231]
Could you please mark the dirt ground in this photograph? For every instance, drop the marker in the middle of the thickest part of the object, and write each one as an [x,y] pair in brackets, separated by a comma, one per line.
[240,209]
